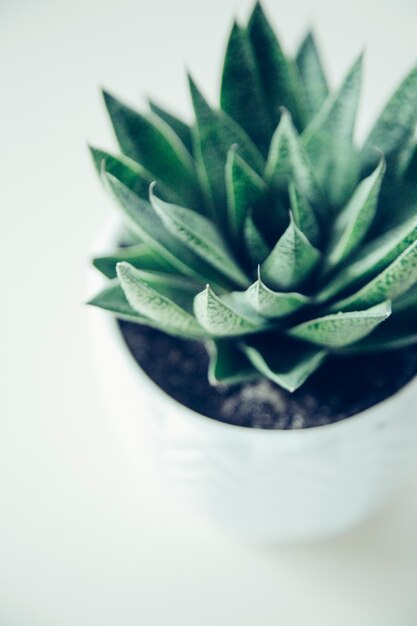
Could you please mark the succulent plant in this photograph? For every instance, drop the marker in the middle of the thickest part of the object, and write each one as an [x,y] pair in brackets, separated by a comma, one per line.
[262,228]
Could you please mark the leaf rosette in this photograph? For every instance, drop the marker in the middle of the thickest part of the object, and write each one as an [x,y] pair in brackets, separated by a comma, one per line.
[262,228]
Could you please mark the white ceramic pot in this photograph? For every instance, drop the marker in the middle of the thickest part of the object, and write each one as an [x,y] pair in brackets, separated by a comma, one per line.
[263,485]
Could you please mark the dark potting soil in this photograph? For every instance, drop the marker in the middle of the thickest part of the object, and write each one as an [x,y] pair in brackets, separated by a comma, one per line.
[340,388]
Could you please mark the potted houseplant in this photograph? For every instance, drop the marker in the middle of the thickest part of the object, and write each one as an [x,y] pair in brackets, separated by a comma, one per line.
[261,244]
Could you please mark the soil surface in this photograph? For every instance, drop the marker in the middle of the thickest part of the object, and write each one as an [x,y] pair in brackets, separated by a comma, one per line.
[339,389]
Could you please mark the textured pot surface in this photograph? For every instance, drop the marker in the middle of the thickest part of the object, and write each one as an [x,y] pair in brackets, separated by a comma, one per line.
[264,485]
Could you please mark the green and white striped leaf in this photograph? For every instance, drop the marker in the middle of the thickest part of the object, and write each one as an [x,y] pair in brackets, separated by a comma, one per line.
[287,363]
[278,74]
[245,190]
[214,134]
[304,216]
[395,126]
[151,142]
[112,298]
[314,84]
[392,282]
[220,319]
[256,248]
[399,331]
[328,140]
[291,261]
[146,224]
[242,93]
[287,159]
[130,173]
[140,256]
[410,171]
[201,236]
[355,220]
[374,258]
[180,128]
[273,304]
[166,301]
[341,329]
[228,365]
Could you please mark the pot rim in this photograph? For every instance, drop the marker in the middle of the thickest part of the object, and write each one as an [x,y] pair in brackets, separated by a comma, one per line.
[105,239]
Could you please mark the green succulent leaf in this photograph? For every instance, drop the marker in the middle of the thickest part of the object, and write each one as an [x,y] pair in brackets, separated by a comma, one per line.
[328,140]
[313,79]
[214,134]
[242,92]
[112,298]
[273,304]
[278,74]
[180,128]
[373,258]
[304,216]
[256,247]
[395,126]
[341,329]
[201,236]
[410,171]
[399,331]
[153,144]
[141,256]
[145,222]
[392,282]
[130,173]
[285,362]
[287,159]
[245,190]
[228,365]
[221,319]
[354,222]
[166,300]
[291,261]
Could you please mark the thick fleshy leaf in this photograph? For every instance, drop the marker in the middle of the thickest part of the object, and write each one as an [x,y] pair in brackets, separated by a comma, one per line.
[273,304]
[245,190]
[112,298]
[407,302]
[141,256]
[287,159]
[180,128]
[228,365]
[221,319]
[410,170]
[147,225]
[314,84]
[151,142]
[328,140]
[285,362]
[304,216]
[242,92]
[166,300]
[291,261]
[392,282]
[215,132]
[278,74]
[201,236]
[354,222]
[395,126]
[130,173]
[256,248]
[341,329]
[374,258]
[399,331]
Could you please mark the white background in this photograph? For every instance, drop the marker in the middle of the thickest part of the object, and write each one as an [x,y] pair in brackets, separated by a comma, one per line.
[80,544]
